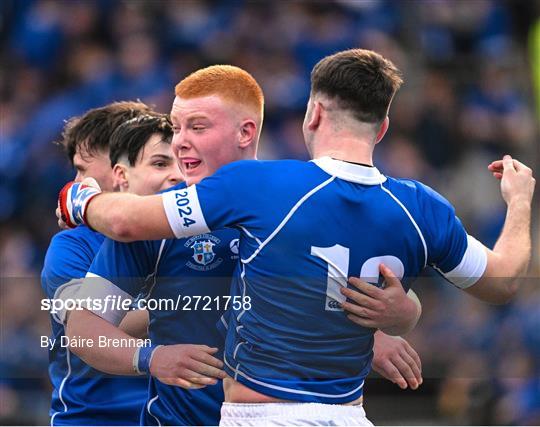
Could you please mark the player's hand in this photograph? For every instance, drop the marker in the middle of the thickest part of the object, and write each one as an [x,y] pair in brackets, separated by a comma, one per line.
[73,201]
[186,365]
[517,181]
[397,361]
[388,309]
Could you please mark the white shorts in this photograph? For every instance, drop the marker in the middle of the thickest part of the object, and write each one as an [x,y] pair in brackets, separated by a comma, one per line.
[295,414]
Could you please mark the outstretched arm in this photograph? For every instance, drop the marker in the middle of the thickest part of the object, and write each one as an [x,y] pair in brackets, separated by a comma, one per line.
[508,261]
[129,218]
[123,217]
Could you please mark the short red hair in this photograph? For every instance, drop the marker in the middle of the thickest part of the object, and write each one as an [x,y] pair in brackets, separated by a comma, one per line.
[230,83]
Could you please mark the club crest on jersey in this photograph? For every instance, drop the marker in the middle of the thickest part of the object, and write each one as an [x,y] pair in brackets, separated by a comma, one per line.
[203,252]
[203,256]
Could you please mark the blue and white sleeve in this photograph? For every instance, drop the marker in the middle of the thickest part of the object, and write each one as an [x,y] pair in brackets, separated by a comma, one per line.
[458,256]
[209,205]
[116,278]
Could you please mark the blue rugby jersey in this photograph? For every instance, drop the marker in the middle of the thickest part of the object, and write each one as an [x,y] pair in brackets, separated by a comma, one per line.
[82,395]
[179,271]
[305,227]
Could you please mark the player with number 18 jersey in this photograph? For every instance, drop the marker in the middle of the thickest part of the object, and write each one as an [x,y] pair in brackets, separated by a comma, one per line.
[305,227]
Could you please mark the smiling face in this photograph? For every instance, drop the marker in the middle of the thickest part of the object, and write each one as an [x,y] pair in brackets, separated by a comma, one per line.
[155,168]
[207,135]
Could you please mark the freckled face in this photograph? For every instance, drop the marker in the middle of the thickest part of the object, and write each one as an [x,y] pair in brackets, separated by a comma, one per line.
[205,136]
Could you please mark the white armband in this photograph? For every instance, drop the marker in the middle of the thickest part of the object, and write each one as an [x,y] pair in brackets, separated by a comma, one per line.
[184,212]
[472,265]
[104,298]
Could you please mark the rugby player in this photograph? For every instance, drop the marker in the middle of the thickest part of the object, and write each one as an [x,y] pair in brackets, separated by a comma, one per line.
[322,220]
[82,395]
[195,268]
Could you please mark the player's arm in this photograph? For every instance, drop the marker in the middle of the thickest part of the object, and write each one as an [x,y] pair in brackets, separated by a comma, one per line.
[117,274]
[135,323]
[178,213]
[113,360]
[96,293]
[129,218]
[183,365]
[508,261]
[490,275]
[123,217]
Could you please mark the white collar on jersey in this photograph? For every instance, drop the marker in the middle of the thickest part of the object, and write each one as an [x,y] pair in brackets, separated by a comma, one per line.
[350,171]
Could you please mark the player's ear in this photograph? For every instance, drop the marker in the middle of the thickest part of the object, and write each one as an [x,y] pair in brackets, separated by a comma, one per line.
[315,119]
[382,129]
[120,177]
[247,133]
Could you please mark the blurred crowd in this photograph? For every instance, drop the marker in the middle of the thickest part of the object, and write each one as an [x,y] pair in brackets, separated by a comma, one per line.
[465,102]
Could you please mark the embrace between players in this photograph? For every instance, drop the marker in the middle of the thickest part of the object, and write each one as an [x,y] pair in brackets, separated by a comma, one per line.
[302,350]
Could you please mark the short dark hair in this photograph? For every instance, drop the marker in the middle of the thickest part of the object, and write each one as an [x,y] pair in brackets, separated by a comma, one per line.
[361,81]
[92,130]
[131,136]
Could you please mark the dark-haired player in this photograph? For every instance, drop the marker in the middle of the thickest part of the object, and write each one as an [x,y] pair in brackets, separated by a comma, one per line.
[82,395]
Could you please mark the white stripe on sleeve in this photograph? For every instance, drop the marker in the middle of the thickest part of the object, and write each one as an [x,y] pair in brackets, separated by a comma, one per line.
[472,265]
[184,212]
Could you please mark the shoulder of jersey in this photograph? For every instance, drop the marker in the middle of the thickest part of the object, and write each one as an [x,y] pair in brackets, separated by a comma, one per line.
[420,190]
[404,183]
[77,239]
